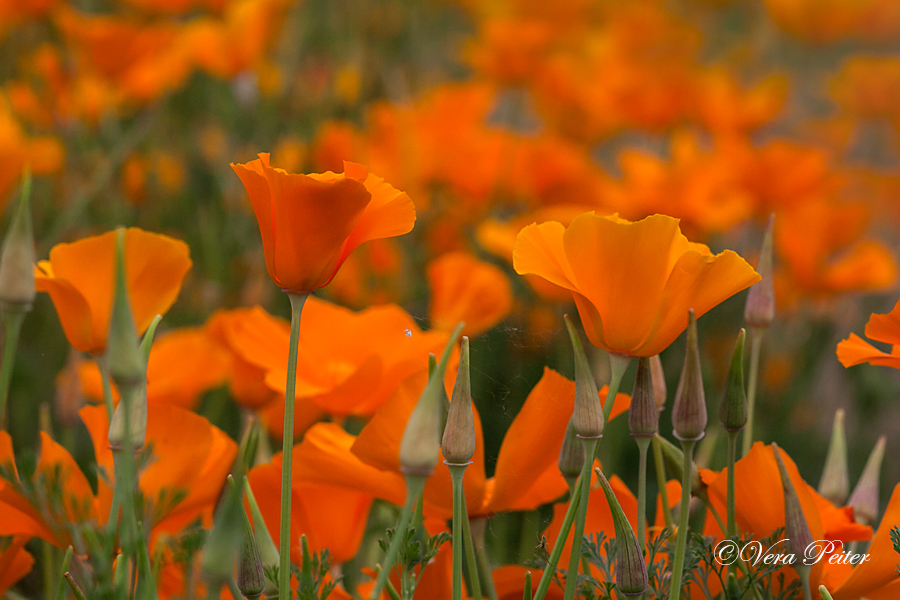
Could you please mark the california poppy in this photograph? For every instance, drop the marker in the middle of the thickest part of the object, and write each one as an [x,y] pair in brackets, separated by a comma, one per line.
[311,223]
[79,279]
[607,262]
[882,328]
[15,562]
[466,289]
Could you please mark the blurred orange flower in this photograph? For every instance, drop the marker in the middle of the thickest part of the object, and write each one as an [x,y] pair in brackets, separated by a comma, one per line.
[311,223]
[882,328]
[607,263]
[526,474]
[184,364]
[464,288]
[79,279]
[15,562]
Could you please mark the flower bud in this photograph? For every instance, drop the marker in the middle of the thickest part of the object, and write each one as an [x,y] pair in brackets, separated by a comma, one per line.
[250,577]
[864,498]
[796,530]
[659,382]
[268,552]
[17,258]
[733,410]
[643,416]
[136,397]
[458,443]
[835,482]
[126,363]
[571,455]
[674,459]
[689,411]
[631,571]
[760,308]
[224,539]
[422,436]
[588,416]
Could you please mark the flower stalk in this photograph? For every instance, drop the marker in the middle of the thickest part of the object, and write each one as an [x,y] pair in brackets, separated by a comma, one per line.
[590,445]
[414,486]
[681,540]
[569,518]
[456,476]
[284,563]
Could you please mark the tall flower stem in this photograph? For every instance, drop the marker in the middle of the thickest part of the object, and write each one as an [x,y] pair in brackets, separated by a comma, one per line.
[803,572]
[12,325]
[550,570]
[483,565]
[732,448]
[471,560]
[414,486]
[756,335]
[661,482]
[284,564]
[456,476]
[687,447]
[590,445]
[618,363]
[103,366]
[643,442]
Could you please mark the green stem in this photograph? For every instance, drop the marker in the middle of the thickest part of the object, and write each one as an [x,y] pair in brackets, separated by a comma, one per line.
[12,321]
[471,560]
[643,443]
[61,585]
[756,335]
[284,568]
[661,482]
[526,593]
[550,570]
[618,363]
[803,572]
[590,445]
[456,476]
[484,567]
[49,569]
[103,366]
[687,448]
[414,486]
[732,448]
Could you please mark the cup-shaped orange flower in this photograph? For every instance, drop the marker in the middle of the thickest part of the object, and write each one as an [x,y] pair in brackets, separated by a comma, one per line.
[80,278]
[633,283]
[311,223]
[466,289]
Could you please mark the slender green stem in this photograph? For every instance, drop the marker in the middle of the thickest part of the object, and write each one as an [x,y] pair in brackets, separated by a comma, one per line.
[287,447]
[485,573]
[456,476]
[61,585]
[12,321]
[414,486]
[687,448]
[234,589]
[103,365]
[391,590]
[643,442]
[526,592]
[550,570]
[732,448]
[661,482]
[704,497]
[76,589]
[803,572]
[618,363]
[49,559]
[471,560]
[756,335]
[590,445]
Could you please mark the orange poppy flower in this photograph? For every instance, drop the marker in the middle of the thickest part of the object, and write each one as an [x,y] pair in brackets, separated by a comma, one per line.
[607,262]
[189,459]
[183,365]
[311,223]
[15,563]
[466,289]
[526,474]
[331,517]
[882,328]
[79,279]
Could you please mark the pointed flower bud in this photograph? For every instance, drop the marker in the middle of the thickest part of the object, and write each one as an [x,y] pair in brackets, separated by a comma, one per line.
[224,540]
[796,530]
[733,410]
[422,436]
[689,411]
[268,552]
[588,416]
[835,482]
[659,382]
[126,363]
[250,577]
[136,397]
[643,416]
[458,443]
[864,498]
[674,459]
[445,401]
[631,571]
[18,258]
[571,455]
[760,308]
